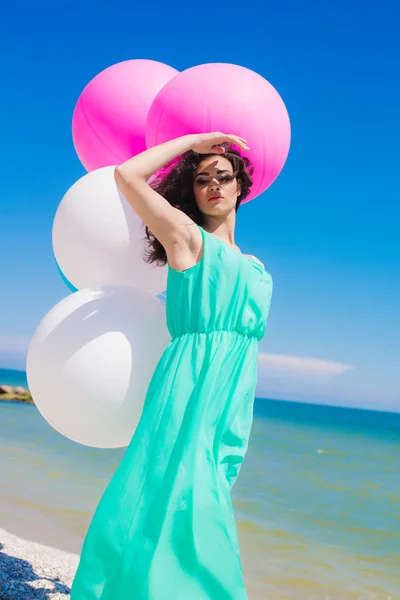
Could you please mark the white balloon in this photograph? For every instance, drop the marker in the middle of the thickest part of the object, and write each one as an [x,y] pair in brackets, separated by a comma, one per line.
[98,239]
[91,360]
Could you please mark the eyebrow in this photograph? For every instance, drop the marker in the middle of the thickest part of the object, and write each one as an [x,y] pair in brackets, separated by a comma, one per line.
[218,171]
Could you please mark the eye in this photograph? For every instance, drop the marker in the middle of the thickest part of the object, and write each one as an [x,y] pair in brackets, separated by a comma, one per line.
[225,178]
[201,181]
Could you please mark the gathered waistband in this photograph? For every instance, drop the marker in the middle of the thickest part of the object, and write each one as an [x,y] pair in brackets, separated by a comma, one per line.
[231,331]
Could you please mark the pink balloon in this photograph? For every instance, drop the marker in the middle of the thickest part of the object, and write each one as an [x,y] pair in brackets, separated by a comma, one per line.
[109,119]
[231,99]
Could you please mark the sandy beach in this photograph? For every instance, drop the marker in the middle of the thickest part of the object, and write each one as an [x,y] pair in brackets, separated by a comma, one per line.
[32,571]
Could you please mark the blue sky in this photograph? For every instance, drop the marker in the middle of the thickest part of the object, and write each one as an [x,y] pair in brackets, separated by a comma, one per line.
[327,230]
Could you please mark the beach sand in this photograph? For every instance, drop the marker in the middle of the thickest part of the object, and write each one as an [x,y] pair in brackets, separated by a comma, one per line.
[33,571]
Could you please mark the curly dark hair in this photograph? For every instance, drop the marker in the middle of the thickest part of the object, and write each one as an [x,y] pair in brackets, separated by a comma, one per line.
[175,183]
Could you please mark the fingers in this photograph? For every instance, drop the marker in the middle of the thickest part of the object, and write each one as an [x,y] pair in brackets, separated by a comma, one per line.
[239,141]
[220,137]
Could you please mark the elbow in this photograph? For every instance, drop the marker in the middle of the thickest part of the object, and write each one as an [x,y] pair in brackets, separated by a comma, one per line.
[120,175]
[123,178]
[122,183]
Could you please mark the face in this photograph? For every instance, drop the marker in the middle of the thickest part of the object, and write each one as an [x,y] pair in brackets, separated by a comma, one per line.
[215,188]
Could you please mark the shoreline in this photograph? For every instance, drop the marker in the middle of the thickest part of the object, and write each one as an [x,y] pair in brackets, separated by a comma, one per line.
[12,393]
[29,569]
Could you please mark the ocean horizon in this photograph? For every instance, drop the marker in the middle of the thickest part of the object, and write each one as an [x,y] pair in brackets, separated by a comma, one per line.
[298,410]
[317,502]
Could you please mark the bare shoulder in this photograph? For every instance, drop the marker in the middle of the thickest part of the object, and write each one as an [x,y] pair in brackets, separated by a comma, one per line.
[256,259]
[186,247]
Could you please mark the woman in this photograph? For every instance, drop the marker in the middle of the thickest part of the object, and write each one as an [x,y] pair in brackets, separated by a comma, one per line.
[164,528]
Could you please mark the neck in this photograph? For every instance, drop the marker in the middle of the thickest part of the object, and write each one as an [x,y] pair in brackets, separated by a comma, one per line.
[223,230]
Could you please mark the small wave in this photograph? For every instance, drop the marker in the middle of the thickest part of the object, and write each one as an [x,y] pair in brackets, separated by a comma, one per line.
[334,452]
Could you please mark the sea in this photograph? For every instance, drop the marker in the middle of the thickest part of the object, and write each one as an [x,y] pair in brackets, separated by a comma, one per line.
[317,502]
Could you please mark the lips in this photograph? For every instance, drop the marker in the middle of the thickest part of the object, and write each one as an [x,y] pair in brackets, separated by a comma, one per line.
[214,198]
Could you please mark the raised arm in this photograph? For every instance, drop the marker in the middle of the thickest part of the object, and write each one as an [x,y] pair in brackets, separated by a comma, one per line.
[165,221]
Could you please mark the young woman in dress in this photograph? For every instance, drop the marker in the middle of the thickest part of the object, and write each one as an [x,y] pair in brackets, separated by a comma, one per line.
[164,528]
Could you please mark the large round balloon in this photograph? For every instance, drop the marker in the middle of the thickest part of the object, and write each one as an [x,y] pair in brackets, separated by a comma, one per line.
[109,119]
[98,239]
[91,360]
[231,99]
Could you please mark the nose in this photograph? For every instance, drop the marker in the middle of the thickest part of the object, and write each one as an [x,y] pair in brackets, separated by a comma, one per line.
[215,184]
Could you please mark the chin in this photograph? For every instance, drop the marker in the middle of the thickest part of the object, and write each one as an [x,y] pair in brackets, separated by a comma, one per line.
[221,208]
[215,211]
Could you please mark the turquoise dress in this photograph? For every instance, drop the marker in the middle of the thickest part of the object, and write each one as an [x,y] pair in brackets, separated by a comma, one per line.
[164,528]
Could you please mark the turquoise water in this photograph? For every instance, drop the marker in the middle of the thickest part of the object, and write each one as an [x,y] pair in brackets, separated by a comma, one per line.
[12,377]
[317,501]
